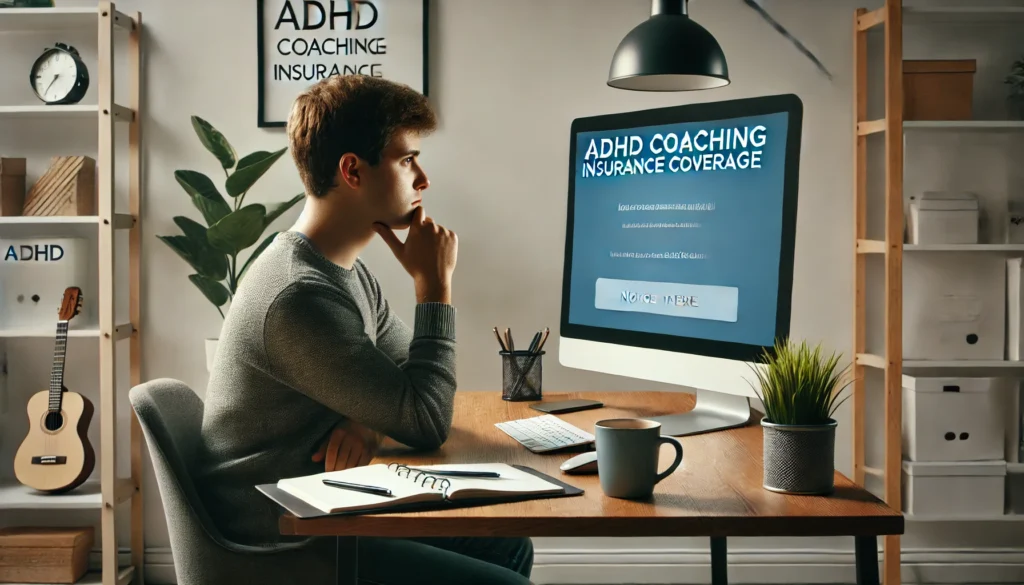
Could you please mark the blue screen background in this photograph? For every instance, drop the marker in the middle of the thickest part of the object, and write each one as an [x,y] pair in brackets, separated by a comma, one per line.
[741,238]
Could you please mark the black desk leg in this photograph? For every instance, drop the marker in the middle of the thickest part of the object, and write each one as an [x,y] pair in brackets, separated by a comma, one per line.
[346,568]
[719,562]
[866,548]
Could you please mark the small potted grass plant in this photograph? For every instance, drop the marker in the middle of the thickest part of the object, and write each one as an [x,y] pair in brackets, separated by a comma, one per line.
[800,388]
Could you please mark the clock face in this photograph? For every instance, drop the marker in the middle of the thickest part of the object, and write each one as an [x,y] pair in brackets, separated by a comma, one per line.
[55,76]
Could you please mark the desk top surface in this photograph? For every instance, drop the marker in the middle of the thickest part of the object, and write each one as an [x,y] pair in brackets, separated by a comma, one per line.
[716,491]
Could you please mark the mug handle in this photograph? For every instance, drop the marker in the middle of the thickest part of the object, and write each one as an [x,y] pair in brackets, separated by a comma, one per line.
[679,457]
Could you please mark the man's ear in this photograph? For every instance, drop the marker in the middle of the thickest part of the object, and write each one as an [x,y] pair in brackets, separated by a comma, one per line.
[350,170]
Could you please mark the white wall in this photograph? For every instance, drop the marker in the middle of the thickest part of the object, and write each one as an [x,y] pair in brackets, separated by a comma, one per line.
[507,78]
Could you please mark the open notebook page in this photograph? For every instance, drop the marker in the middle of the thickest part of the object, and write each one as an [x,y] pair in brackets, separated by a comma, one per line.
[512,481]
[313,491]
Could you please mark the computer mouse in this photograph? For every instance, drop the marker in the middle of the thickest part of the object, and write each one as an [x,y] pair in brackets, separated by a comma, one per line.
[584,463]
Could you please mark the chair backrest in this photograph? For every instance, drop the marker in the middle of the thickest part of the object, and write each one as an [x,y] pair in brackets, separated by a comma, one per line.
[171,416]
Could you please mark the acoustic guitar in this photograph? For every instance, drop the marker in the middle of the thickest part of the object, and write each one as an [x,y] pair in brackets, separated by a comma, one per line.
[56,456]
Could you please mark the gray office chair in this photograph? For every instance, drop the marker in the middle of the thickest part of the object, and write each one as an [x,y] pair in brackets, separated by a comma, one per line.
[171,415]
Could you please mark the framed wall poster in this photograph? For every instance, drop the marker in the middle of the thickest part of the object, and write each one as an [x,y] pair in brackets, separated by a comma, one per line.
[300,42]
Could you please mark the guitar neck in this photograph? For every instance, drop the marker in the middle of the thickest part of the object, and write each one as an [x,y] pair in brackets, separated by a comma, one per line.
[57,373]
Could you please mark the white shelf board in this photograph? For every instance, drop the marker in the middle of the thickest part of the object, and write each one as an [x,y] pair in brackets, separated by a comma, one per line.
[59,18]
[121,113]
[965,125]
[45,110]
[90,330]
[964,364]
[963,248]
[14,496]
[121,220]
[963,14]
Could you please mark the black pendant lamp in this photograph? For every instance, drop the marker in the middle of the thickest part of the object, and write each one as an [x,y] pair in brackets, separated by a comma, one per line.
[668,52]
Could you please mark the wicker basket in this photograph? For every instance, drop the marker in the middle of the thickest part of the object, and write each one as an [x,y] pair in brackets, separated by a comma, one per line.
[799,459]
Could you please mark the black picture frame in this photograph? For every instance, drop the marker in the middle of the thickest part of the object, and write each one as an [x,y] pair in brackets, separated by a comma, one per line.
[261,114]
[757,106]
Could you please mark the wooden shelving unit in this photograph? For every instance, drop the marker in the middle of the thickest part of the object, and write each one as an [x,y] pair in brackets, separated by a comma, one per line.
[107,492]
[890,20]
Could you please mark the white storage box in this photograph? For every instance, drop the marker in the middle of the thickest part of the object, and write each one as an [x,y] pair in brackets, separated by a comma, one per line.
[33,275]
[954,490]
[1015,222]
[952,419]
[954,306]
[1015,489]
[944,218]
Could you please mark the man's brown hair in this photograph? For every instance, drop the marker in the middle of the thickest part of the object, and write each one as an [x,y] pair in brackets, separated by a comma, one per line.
[350,113]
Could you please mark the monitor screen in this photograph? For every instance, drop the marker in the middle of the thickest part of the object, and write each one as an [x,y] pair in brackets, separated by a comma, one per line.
[681,225]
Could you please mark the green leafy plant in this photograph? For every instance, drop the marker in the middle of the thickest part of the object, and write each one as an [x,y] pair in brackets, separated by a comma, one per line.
[799,384]
[213,250]
[1015,79]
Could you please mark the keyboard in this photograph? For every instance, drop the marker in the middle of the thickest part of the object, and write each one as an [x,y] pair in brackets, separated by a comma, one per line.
[545,433]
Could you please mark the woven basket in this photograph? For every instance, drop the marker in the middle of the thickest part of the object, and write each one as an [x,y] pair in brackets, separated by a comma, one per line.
[799,459]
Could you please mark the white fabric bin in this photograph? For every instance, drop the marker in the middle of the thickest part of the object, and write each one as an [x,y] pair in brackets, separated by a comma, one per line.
[34,272]
[954,306]
[944,218]
[961,489]
[951,419]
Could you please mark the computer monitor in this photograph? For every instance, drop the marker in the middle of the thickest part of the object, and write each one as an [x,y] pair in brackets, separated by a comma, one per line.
[679,248]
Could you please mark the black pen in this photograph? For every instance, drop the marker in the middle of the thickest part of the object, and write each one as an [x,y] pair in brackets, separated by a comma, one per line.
[534,341]
[456,473]
[368,489]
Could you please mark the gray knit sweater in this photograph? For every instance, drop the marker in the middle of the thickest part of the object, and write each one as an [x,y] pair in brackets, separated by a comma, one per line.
[305,345]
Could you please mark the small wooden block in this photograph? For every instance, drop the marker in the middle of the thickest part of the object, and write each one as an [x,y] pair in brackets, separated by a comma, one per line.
[67,188]
[12,186]
[44,555]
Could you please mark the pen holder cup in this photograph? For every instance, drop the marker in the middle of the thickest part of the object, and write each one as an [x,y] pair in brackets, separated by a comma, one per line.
[521,375]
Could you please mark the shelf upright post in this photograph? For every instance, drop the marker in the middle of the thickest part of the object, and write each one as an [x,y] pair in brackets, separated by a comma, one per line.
[860,88]
[893,277]
[107,292]
[134,294]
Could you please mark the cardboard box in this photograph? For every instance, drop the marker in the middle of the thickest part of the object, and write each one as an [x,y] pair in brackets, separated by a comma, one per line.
[938,90]
[12,186]
[44,555]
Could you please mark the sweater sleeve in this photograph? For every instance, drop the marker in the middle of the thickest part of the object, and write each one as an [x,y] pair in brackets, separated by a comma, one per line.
[316,343]
[393,335]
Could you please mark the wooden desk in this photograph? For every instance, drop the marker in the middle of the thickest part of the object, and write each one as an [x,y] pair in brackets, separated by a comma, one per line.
[715,492]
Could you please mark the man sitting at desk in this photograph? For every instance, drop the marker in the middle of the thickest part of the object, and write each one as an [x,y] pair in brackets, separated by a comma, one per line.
[310,348]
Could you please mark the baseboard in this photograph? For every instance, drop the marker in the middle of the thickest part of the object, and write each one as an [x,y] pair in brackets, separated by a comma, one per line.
[788,566]
[679,567]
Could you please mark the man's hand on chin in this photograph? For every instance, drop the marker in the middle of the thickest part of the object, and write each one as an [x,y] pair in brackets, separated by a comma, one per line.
[350,444]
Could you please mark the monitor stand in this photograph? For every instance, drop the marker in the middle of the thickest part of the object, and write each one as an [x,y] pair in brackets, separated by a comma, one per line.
[714,411]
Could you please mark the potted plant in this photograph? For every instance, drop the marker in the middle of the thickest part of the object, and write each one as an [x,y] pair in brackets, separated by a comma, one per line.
[800,388]
[1015,79]
[214,248]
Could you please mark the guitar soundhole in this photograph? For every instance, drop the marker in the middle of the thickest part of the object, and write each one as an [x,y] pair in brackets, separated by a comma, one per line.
[54,421]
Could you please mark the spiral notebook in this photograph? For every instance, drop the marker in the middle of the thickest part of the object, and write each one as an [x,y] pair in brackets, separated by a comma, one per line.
[412,488]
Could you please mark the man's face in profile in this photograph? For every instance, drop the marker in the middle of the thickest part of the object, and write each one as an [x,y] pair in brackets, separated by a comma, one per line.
[394,187]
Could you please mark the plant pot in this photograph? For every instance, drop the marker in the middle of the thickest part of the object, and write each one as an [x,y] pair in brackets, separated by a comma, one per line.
[211,353]
[1015,107]
[799,459]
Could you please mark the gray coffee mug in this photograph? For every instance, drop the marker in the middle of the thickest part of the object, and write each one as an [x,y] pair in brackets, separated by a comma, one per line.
[627,456]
